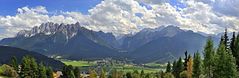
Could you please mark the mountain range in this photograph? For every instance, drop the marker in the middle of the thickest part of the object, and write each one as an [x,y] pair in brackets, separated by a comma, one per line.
[73,41]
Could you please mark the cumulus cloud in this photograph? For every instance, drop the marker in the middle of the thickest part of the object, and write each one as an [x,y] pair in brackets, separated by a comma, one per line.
[226,7]
[206,19]
[26,18]
[129,16]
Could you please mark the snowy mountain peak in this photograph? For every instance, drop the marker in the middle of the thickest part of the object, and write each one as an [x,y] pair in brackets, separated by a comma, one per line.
[51,28]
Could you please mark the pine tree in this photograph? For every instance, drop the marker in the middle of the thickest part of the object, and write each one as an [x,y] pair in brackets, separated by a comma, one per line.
[174,68]
[128,75]
[234,46]
[64,71]
[169,68]
[197,65]
[34,68]
[49,72]
[42,71]
[237,51]
[77,72]
[225,66]
[226,40]
[14,63]
[189,66]
[25,68]
[179,67]
[142,74]
[208,58]
[69,71]
[185,60]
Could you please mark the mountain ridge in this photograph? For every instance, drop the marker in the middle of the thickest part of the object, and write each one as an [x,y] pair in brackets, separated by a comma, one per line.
[73,41]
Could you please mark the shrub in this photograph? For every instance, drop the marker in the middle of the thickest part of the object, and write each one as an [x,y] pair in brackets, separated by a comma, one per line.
[8,71]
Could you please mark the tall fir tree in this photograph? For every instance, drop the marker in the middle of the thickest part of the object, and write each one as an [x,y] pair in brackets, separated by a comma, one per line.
[42,71]
[179,67]
[34,68]
[225,66]
[142,74]
[237,51]
[169,68]
[128,75]
[226,40]
[208,58]
[25,68]
[70,73]
[77,72]
[174,68]
[185,60]
[14,63]
[197,65]
[49,72]
[234,46]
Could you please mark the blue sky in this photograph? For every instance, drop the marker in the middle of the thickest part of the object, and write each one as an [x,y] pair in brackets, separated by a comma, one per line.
[9,7]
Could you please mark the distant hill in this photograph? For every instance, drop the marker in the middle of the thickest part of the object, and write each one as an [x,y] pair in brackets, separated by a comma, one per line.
[72,41]
[6,53]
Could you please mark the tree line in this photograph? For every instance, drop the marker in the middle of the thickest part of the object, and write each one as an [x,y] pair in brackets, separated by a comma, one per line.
[28,68]
[220,62]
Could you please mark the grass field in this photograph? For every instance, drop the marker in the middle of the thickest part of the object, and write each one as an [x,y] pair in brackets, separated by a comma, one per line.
[124,68]
[79,63]
[133,68]
[156,65]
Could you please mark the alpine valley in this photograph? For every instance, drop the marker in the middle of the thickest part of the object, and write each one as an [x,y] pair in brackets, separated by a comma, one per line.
[75,42]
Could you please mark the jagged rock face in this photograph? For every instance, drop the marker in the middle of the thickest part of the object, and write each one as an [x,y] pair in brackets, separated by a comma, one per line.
[70,40]
[50,28]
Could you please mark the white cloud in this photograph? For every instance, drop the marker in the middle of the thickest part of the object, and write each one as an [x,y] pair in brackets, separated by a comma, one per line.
[206,19]
[225,7]
[120,17]
[26,18]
